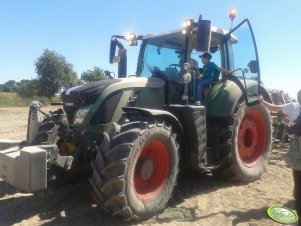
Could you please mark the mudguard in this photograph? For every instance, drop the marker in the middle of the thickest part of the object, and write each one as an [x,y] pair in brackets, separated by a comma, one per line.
[156,113]
[169,118]
[225,95]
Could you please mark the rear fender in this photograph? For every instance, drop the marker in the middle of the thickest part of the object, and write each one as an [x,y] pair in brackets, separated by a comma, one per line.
[265,94]
[223,98]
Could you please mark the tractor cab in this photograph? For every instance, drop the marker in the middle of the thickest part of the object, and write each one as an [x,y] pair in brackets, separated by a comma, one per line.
[164,56]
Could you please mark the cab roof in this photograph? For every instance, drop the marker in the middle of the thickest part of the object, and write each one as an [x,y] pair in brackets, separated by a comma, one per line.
[176,40]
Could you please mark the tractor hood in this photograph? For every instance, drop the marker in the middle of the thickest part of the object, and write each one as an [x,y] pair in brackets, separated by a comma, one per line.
[84,95]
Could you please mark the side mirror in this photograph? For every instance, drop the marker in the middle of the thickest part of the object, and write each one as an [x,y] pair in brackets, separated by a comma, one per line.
[245,70]
[203,35]
[253,65]
[112,50]
[108,74]
[121,59]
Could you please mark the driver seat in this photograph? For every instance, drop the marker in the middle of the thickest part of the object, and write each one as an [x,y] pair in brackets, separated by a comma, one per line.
[172,73]
[173,85]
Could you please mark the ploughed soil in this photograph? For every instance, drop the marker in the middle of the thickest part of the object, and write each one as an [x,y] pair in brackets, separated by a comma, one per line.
[197,200]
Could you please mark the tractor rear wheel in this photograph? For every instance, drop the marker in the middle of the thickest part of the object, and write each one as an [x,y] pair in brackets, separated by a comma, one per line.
[135,169]
[248,141]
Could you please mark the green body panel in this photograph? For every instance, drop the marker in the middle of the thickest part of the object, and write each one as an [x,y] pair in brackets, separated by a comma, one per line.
[223,97]
[149,94]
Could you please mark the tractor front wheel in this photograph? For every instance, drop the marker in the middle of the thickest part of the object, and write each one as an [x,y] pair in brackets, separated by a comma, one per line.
[135,169]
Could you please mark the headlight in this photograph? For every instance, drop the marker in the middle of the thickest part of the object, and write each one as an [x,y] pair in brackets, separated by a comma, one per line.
[80,114]
[188,25]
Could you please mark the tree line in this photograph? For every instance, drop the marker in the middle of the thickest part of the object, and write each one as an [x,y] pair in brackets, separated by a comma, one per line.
[54,74]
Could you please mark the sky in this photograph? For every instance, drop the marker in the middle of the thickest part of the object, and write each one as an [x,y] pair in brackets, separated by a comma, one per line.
[81,30]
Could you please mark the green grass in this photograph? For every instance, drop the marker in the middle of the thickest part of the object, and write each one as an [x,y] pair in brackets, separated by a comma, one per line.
[13,100]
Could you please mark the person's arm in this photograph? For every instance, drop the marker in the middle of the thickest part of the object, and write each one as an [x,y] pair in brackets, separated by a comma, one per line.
[294,128]
[271,107]
[222,70]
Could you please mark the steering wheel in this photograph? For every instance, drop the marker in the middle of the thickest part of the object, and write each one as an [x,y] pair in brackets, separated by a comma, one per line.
[156,72]
[176,66]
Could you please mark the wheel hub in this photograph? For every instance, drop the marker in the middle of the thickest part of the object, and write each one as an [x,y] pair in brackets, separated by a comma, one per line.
[248,135]
[251,138]
[151,170]
[147,169]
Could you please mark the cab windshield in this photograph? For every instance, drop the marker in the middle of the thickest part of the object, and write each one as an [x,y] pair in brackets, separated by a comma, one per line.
[161,55]
[159,59]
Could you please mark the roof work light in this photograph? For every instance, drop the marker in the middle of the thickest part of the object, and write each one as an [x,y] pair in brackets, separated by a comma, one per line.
[188,25]
[131,38]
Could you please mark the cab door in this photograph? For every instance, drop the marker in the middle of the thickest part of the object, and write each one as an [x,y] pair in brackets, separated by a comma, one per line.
[243,57]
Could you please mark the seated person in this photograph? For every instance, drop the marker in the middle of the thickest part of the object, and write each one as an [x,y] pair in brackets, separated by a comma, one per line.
[210,69]
[192,62]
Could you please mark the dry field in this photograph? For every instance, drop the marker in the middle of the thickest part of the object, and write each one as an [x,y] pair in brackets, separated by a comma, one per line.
[198,199]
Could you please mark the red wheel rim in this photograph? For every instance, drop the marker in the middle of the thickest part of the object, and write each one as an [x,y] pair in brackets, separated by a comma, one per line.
[251,138]
[151,170]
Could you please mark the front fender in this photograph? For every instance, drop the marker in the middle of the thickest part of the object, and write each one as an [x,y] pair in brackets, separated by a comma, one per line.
[155,114]
[167,117]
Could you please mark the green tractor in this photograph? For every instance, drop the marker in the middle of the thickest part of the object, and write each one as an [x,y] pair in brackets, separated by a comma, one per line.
[135,134]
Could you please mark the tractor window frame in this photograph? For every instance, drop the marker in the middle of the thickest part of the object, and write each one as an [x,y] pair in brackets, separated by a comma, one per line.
[249,99]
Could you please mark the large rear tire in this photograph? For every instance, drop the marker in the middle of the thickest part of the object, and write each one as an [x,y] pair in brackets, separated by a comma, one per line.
[248,141]
[135,170]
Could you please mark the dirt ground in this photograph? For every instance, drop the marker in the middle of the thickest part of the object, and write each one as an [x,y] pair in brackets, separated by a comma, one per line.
[198,199]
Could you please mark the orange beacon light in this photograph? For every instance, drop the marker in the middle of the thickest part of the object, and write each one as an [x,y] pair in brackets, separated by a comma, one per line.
[232,14]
